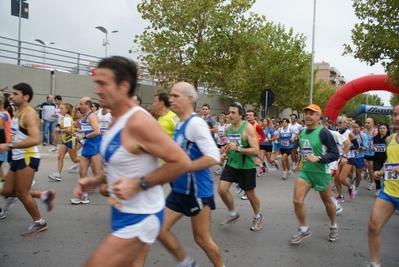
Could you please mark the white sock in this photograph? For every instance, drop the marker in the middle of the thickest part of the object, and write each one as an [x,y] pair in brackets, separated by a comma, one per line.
[256,216]
[333,226]
[304,229]
[233,213]
[187,260]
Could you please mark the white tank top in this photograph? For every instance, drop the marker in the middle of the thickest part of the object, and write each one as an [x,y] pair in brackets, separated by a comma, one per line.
[18,134]
[350,153]
[120,163]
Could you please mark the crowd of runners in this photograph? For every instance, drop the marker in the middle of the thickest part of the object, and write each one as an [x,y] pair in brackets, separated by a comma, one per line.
[131,155]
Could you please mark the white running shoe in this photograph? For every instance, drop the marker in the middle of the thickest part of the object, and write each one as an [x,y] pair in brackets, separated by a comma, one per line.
[371,186]
[55,176]
[244,197]
[54,149]
[219,171]
[74,167]
[238,189]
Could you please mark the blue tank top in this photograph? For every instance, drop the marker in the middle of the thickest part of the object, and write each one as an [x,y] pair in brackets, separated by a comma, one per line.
[285,136]
[197,183]
[86,129]
[269,134]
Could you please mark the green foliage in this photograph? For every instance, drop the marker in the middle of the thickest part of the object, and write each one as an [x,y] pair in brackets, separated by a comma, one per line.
[376,37]
[216,42]
[394,100]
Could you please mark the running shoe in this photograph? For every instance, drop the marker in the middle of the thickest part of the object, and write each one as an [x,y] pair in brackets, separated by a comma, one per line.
[34,229]
[74,167]
[229,219]
[278,157]
[54,149]
[2,214]
[257,223]
[333,186]
[351,192]
[340,199]
[10,201]
[371,186]
[276,164]
[285,175]
[295,239]
[371,264]
[219,171]
[49,201]
[261,173]
[78,201]
[289,174]
[244,197]
[333,236]
[356,191]
[238,189]
[338,209]
[55,176]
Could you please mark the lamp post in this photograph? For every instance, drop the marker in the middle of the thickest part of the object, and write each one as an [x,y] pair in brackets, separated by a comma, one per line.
[312,60]
[105,41]
[44,49]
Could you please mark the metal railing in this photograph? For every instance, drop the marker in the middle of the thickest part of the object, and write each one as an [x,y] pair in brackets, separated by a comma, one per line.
[46,57]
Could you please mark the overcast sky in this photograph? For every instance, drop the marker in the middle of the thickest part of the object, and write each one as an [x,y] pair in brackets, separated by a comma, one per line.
[71,25]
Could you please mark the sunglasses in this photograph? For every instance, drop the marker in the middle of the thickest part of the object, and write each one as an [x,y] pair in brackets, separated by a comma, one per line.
[340,122]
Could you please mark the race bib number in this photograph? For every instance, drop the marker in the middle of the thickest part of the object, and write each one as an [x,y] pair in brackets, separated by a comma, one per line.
[306,151]
[389,173]
[380,148]
[285,142]
[236,138]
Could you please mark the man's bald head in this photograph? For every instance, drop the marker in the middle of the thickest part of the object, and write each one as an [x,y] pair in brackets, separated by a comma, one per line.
[186,89]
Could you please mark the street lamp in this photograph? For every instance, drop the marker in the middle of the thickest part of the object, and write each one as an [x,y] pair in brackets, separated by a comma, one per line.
[312,58]
[105,41]
[44,49]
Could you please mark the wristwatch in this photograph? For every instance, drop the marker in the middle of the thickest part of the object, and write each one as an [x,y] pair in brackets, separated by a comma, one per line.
[344,156]
[238,149]
[84,136]
[143,183]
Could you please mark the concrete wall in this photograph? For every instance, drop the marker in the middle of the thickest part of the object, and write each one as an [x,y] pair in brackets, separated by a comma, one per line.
[72,87]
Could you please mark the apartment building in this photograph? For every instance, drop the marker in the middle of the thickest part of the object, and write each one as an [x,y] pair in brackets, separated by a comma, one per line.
[329,74]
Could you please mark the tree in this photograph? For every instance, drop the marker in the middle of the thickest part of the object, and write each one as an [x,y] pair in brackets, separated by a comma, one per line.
[376,37]
[216,42]
[187,39]
[270,57]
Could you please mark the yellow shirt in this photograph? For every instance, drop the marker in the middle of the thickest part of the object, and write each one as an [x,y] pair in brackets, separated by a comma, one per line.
[168,122]
[391,187]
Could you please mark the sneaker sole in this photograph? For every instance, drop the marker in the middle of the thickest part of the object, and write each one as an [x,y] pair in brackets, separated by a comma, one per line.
[81,202]
[38,231]
[333,240]
[227,224]
[54,179]
[299,240]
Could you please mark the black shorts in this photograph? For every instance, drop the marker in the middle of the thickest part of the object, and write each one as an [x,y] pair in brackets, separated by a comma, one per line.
[371,158]
[20,164]
[351,161]
[286,151]
[245,178]
[189,205]
[266,148]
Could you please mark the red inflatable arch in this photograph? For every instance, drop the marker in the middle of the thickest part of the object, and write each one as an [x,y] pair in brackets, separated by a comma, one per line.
[352,89]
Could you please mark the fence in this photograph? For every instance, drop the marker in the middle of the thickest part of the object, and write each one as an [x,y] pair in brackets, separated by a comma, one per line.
[45,57]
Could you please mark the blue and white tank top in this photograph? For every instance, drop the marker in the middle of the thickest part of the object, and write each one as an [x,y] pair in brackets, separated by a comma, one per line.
[118,162]
[284,138]
[196,183]
[86,129]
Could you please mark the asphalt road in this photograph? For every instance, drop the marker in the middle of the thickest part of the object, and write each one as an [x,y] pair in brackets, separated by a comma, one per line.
[75,231]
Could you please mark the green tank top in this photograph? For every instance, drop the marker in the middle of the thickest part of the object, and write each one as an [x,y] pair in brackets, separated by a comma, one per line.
[236,159]
[311,144]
